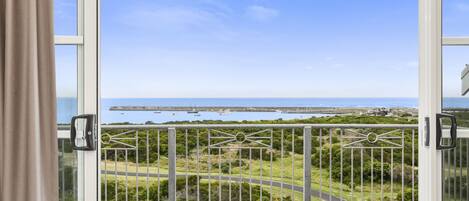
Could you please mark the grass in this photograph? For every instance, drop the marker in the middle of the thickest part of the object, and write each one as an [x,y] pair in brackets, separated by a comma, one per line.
[282,173]
[290,175]
[132,182]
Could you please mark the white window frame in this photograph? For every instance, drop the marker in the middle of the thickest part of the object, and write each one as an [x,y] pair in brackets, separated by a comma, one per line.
[430,91]
[87,42]
[430,95]
[456,41]
[430,39]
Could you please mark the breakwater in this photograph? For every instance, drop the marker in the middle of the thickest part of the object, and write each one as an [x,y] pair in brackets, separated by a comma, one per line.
[222,109]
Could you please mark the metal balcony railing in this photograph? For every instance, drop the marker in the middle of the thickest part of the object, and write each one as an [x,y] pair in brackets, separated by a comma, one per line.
[455,171]
[68,176]
[259,162]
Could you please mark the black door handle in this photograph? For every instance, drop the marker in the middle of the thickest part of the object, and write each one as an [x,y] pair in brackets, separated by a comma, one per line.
[439,131]
[88,137]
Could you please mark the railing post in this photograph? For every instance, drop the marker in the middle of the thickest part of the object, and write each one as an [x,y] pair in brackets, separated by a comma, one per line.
[307,163]
[172,164]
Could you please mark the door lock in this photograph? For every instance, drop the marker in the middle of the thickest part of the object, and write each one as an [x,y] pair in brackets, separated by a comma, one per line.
[439,131]
[83,132]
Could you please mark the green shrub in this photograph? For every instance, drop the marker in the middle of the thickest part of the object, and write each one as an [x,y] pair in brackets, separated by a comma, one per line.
[192,193]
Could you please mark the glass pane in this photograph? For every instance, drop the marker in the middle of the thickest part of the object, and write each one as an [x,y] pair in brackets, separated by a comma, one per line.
[67,171]
[65,17]
[66,87]
[455,17]
[456,160]
[66,82]
[454,61]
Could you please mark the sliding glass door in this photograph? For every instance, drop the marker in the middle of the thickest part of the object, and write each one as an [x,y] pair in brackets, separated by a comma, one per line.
[444,82]
[75,23]
[455,98]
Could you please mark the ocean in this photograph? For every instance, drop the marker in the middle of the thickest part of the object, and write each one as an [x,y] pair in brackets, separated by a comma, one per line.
[67,107]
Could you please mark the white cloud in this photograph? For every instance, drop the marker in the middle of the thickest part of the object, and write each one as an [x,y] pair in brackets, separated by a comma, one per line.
[261,13]
[209,21]
[218,5]
[64,10]
[408,66]
[171,17]
[212,18]
[412,63]
[338,65]
[462,7]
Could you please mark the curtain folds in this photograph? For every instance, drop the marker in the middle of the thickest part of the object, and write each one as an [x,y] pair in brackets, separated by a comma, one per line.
[28,131]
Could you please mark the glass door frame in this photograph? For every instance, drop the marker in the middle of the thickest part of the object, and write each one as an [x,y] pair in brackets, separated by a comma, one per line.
[90,91]
[448,41]
[431,41]
[429,158]
[430,92]
[87,43]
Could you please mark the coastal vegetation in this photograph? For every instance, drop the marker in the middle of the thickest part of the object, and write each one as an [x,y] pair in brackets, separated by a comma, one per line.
[160,191]
[392,167]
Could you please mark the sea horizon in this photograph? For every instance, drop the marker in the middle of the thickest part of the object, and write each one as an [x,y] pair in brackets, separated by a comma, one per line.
[67,107]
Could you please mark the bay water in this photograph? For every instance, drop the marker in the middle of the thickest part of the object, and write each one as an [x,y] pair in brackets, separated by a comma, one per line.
[67,107]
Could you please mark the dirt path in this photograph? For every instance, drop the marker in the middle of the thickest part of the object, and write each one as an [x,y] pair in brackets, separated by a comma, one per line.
[315,193]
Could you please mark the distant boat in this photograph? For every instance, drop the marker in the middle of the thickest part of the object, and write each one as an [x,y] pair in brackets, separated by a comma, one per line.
[197,115]
[192,112]
[157,112]
[224,112]
[122,113]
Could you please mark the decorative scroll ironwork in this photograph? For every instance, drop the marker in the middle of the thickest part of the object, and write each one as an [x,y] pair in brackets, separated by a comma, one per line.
[124,140]
[240,140]
[369,140]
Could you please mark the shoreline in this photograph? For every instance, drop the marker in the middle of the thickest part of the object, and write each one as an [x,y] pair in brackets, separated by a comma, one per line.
[381,111]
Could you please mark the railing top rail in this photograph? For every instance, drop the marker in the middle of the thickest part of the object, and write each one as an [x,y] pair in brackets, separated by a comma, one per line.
[192,126]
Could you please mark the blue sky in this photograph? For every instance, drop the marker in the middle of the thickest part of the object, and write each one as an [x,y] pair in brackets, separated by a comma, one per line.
[259,48]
